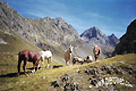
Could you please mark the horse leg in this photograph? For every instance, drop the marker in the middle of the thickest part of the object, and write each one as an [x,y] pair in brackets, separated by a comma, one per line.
[66,63]
[36,65]
[96,57]
[39,66]
[42,59]
[51,62]
[48,63]
[25,62]
[33,71]
[18,67]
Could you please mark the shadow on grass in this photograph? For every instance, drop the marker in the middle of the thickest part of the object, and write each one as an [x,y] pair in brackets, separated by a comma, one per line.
[13,74]
[22,73]
[57,66]
[30,68]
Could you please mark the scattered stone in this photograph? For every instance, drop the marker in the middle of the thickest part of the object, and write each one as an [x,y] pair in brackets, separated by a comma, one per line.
[89,79]
[2,41]
[23,82]
[90,86]
[121,62]
[44,77]
[66,86]
[113,81]
[93,82]
[55,84]
[118,72]
[78,71]
[65,78]
[73,86]
[91,72]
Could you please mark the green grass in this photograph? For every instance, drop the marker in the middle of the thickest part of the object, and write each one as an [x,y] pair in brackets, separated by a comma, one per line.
[9,81]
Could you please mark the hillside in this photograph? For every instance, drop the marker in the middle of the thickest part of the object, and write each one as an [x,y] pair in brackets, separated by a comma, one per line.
[93,36]
[127,42]
[118,73]
[11,42]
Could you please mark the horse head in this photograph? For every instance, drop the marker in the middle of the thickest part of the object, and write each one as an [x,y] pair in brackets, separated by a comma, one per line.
[70,49]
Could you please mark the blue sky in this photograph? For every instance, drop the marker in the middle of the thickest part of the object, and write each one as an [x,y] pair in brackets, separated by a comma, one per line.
[110,16]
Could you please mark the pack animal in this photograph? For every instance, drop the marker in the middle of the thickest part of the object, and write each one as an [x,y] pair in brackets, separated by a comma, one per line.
[78,60]
[46,55]
[28,55]
[68,54]
[96,51]
[89,59]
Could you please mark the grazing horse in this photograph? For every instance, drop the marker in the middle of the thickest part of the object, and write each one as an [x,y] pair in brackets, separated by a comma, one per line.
[46,55]
[89,59]
[28,55]
[96,51]
[78,59]
[67,54]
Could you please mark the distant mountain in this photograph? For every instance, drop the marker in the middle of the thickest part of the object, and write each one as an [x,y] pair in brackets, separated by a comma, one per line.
[114,40]
[127,42]
[44,33]
[94,36]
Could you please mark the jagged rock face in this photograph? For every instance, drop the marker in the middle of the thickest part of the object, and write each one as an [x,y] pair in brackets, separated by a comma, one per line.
[94,36]
[127,42]
[35,30]
[47,33]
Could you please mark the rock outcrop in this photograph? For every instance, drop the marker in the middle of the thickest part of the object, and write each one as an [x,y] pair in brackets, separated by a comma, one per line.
[96,78]
[127,42]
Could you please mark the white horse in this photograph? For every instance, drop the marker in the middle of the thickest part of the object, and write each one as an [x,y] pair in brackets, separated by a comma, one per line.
[89,59]
[67,54]
[78,60]
[46,55]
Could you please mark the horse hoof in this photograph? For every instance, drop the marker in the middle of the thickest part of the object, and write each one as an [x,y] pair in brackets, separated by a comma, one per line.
[26,75]
[42,68]
[18,74]
[33,73]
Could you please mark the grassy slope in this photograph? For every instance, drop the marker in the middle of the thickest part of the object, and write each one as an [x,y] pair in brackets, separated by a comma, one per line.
[9,81]
[15,43]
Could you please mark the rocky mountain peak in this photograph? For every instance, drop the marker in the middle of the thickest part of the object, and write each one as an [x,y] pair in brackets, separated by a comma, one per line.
[47,18]
[93,32]
[113,39]
[94,28]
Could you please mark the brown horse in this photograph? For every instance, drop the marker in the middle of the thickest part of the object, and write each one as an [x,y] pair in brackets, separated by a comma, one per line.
[67,54]
[96,51]
[28,55]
